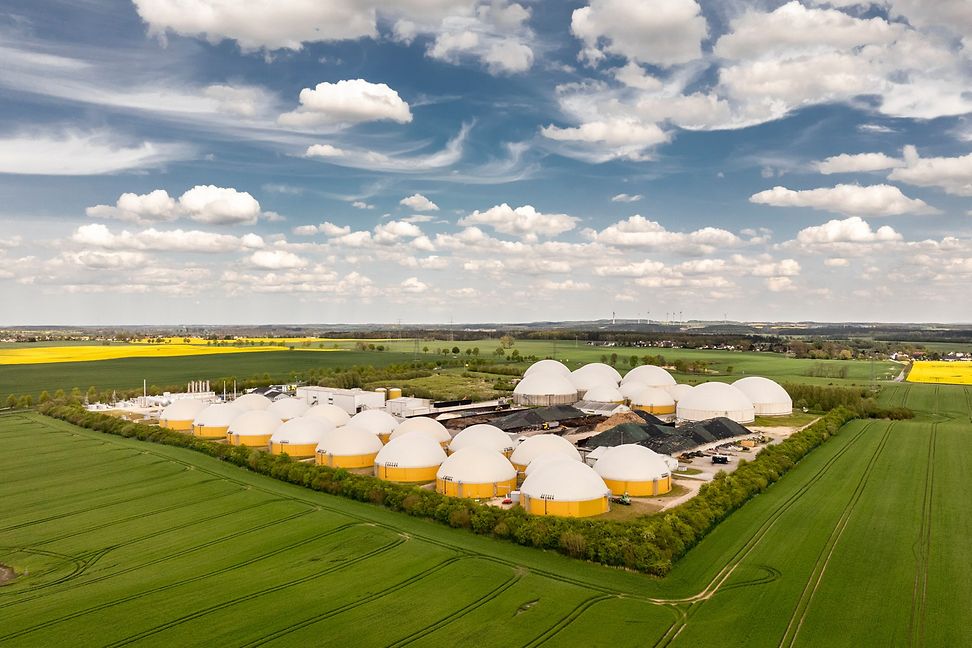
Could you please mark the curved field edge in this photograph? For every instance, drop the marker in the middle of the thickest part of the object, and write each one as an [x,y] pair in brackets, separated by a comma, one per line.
[651,545]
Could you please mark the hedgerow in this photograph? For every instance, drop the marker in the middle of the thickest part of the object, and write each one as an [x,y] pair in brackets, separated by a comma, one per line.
[650,544]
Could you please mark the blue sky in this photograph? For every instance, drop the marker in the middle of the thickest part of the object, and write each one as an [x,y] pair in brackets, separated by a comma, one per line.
[484,160]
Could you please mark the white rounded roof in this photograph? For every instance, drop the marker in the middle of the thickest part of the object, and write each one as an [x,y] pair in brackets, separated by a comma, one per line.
[332,413]
[484,435]
[712,399]
[302,430]
[217,415]
[288,408]
[572,481]
[678,392]
[476,465]
[652,396]
[255,423]
[630,462]
[252,402]
[632,387]
[552,366]
[763,391]
[423,425]
[594,374]
[544,459]
[411,451]
[348,441]
[604,394]
[541,444]
[650,375]
[545,384]
[375,421]
[182,410]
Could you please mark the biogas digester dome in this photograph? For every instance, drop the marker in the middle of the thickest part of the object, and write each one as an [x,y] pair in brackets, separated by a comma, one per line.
[565,488]
[411,458]
[650,375]
[299,437]
[545,388]
[423,425]
[542,444]
[214,421]
[604,394]
[477,472]
[551,366]
[653,400]
[713,399]
[253,428]
[348,446]
[332,413]
[485,435]
[595,374]
[635,470]
[179,415]
[768,396]
[378,422]
[288,408]
[252,401]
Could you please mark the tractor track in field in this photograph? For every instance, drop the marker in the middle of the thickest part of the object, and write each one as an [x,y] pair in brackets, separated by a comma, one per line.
[565,621]
[68,476]
[216,572]
[328,614]
[81,563]
[719,580]
[160,559]
[922,548]
[262,592]
[826,553]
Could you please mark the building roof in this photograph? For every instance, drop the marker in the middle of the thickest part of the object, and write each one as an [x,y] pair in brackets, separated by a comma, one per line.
[538,416]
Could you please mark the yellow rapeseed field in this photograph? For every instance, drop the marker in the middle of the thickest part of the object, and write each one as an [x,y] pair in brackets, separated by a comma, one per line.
[40,355]
[952,373]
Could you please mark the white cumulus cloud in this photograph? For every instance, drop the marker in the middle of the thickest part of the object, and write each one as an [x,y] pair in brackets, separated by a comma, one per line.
[952,174]
[524,222]
[418,202]
[350,101]
[857,163]
[853,200]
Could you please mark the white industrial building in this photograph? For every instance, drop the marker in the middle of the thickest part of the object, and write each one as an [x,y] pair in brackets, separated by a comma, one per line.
[768,396]
[351,401]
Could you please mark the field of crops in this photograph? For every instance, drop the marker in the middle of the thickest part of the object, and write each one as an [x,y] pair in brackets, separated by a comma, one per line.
[864,543]
[56,354]
[950,373]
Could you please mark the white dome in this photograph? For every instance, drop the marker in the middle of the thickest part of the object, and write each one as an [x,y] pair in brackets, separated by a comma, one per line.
[348,441]
[604,394]
[631,463]
[572,481]
[594,374]
[545,384]
[288,408]
[768,396]
[332,413]
[254,423]
[476,465]
[411,451]
[483,435]
[678,392]
[423,425]
[547,366]
[375,421]
[182,410]
[218,415]
[653,397]
[252,402]
[632,387]
[541,444]
[544,459]
[713,399]
[650,375]
[301,431]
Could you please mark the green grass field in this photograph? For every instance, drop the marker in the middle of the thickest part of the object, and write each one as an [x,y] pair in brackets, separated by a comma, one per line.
[864,543]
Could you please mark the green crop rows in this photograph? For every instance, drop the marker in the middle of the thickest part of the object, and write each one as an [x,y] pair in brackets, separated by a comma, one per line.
[862,544]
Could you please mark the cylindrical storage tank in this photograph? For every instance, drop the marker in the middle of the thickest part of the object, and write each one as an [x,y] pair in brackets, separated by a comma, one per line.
[485,435]
[768,396]
[180,414]
[604,394]
[635,470]
[412,458]
[544,389]
[567,489]
[378,422]
[476,472]
[249,402]
[253,428]
[630,388]
[541,444]
[382,391]
[650,375]
[348,447]
[423,425]
[678,392]
[552,366]
[713,399]
[299,437]
[288,408]
[332,413]
[213,422]
[654,400]
[394,392]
